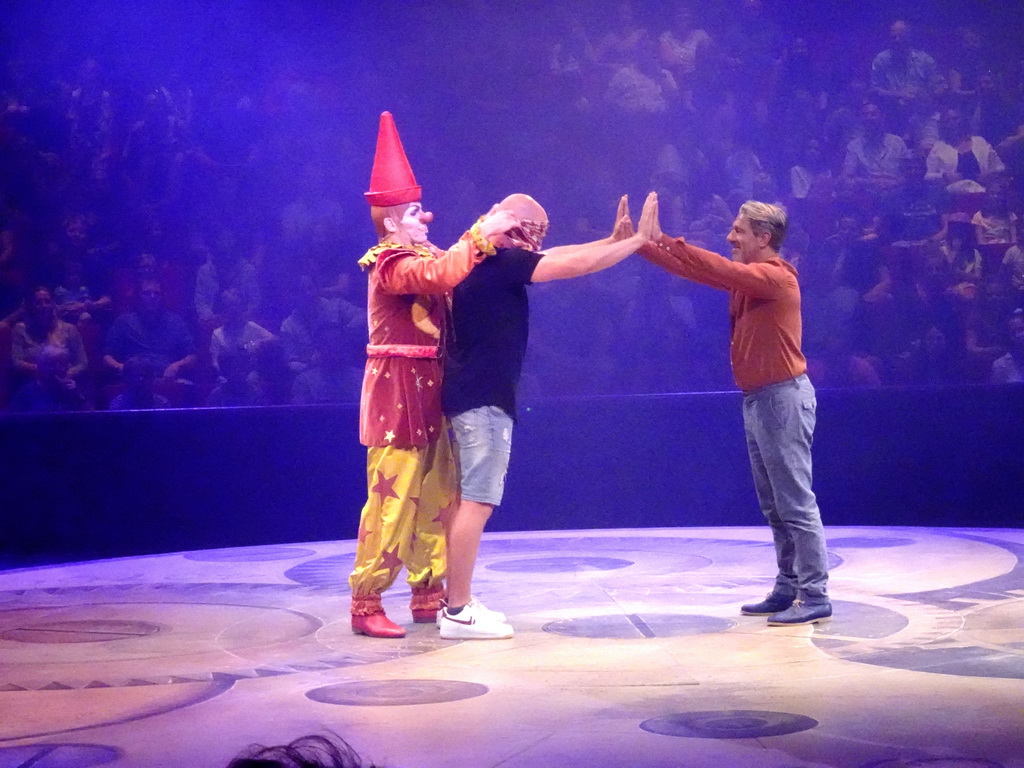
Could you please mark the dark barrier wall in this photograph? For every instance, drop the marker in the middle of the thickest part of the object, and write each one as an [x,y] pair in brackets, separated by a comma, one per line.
[107,484]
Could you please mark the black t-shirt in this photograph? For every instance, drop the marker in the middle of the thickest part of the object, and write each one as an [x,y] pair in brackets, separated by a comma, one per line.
[491,318]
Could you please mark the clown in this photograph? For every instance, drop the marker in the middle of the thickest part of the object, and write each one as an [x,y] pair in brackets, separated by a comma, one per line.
[410,469]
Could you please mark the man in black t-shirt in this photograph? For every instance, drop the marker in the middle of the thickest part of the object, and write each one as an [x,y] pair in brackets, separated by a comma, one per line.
[491,321]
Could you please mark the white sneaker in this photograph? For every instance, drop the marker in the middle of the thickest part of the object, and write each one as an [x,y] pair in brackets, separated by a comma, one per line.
[474,622]
[497,616]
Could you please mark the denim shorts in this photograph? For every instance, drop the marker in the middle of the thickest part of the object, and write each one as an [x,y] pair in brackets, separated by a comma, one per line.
[483,441]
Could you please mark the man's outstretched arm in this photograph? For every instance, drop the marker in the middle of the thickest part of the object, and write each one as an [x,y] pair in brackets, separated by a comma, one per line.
[583,259]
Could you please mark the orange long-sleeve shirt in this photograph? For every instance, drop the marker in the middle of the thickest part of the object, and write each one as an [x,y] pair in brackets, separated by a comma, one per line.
[764,308]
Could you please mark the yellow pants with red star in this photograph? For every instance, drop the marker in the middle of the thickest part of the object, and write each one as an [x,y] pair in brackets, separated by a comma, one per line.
[410,492]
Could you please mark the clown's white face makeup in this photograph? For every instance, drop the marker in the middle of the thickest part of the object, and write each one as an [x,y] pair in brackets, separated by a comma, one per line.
[412,228]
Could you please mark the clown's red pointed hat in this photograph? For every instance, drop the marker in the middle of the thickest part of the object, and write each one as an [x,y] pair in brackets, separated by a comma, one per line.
[391,181]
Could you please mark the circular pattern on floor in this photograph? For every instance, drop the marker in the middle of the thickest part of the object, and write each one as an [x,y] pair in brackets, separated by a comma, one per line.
[122,635]
[392,693]
[988,644]
[325,572]
[861,621]
[634,626]
[559,564]
[58,755]
[729,724]
[80,631]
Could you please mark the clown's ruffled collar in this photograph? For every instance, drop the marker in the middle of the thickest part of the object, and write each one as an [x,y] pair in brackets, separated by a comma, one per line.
[370,258]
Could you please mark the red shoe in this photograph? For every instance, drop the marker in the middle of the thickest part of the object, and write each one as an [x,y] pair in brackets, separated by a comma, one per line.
[376,625]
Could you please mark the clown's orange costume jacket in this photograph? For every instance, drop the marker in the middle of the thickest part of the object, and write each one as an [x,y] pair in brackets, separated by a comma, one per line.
[407,313]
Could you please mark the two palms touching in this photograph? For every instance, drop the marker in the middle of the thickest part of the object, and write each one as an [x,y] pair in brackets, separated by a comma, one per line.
[648,227]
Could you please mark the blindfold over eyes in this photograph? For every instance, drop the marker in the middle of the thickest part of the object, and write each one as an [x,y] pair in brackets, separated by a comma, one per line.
[528,233]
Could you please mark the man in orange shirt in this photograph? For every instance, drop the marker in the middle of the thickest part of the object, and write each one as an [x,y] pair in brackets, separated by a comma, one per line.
[778,398]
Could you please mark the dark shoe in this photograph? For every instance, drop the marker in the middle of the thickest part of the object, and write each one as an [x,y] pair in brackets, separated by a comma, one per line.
[801,613]
[769,606]
[376,625]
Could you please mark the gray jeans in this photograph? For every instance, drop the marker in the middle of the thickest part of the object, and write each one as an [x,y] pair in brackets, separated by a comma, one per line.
[779,423]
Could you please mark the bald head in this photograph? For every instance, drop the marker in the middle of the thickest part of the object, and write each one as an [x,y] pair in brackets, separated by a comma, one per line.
[533,223]
[524,207]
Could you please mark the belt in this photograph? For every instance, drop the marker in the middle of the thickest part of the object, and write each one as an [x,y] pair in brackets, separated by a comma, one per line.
[402,350]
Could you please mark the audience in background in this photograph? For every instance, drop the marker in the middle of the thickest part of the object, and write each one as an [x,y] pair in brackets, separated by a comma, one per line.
[236,388]
[138,394]
[51,388]
[41,328]
[903,170]
[332,377]
[238,334]
[311,311]
[225,267]
[153,333]
[1009,369]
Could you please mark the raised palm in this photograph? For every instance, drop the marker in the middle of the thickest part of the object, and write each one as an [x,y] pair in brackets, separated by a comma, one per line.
[649,228]
[623,229]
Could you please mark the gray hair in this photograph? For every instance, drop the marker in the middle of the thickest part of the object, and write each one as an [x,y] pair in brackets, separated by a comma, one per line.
[766,218]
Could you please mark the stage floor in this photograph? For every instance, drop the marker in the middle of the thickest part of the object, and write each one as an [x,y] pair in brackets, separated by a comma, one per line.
[629,651]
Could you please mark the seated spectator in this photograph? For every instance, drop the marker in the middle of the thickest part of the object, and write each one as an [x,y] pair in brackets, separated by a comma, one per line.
[903,76]
[913,213]
[965,263]
[1009,369]
[148,266]
[681,50]
[744,170]
[836,366]
[873,159]
[749,49]
[811,177]
[236,390]
[996,114]
[985,333]
[842,123]
[995,223]
[307,752]
[971,60]
[151,332]
[935,360]
[625,39]
[225,268]
[138,394]
[310,312]
[13,260]
[848,255]
[238,333]
[1013,271]
[77,299]
[41,327]
[959,157]
[52,388]
[1011,151]
[335,376]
